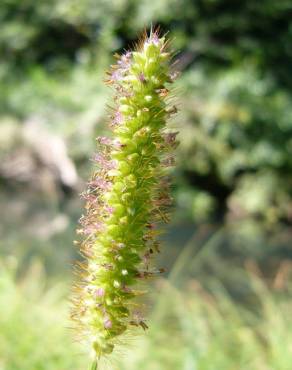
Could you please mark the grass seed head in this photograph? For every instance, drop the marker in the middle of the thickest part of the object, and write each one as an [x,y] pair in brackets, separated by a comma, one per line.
[126,197]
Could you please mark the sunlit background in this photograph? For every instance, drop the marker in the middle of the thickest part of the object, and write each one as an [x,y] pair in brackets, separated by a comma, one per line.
[225,301]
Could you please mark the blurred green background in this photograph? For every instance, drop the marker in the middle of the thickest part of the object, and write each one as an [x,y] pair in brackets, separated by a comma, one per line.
[225,300]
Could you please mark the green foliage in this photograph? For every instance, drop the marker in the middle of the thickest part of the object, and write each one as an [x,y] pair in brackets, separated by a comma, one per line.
[34,324]
[235,93]
[189,329]
[236,143]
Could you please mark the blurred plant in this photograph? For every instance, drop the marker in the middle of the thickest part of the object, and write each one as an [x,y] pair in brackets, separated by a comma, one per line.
[33,320]
[126,197]
[236,145]
[190,327]
[234,162]
[237,90]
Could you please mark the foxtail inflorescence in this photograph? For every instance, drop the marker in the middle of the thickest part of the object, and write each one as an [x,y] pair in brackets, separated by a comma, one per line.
[127,197]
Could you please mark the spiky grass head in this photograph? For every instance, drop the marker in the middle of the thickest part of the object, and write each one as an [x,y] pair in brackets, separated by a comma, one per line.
[127,196]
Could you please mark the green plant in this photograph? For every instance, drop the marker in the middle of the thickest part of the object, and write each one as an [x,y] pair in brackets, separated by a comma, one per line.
[126,197]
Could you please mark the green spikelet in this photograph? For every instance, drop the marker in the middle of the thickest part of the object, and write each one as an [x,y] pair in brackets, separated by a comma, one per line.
[126,197]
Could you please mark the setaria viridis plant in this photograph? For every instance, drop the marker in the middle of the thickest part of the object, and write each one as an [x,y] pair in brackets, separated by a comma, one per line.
[127,197]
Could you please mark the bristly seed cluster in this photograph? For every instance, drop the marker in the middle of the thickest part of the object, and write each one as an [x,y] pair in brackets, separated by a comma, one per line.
[126,197]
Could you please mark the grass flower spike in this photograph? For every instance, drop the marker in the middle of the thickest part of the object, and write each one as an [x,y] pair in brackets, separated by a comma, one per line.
[127,197]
